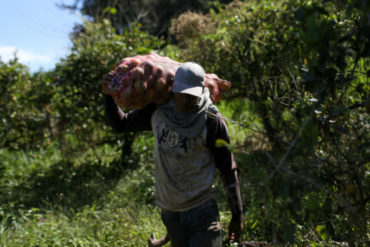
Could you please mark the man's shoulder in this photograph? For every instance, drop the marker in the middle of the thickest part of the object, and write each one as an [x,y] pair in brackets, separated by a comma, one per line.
[214,117]
[215,121]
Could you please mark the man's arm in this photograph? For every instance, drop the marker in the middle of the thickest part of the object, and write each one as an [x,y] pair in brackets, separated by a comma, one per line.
[224,161]
[232,189]
[135,120]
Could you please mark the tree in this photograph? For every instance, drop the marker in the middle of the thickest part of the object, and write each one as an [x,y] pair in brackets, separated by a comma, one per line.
[304,66]
[78,103]
[24,117]
[153,15]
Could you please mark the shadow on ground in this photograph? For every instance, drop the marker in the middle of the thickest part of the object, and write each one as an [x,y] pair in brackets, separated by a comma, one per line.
[63,184]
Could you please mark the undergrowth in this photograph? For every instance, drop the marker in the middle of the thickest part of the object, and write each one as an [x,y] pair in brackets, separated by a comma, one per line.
[97,199]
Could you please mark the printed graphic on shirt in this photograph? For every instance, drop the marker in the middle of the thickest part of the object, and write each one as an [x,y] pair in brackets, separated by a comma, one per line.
[173,140]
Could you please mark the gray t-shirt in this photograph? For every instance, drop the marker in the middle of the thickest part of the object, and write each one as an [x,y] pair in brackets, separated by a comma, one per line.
[184,168]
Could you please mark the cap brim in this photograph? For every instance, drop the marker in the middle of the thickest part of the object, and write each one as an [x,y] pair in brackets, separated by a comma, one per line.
[183,88]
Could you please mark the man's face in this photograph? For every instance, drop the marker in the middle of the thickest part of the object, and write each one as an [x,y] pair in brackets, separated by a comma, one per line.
[185,102]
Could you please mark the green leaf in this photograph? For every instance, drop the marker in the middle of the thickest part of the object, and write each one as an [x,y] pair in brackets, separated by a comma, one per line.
[110,10]
[321,230]
[113,11]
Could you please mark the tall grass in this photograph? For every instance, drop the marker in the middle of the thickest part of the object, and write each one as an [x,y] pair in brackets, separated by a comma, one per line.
[44,202]
[94,198]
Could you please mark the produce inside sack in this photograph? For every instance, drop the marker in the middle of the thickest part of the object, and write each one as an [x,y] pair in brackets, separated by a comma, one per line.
[140,80]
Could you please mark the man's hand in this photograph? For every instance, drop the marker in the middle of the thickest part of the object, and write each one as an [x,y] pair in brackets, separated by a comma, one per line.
[235,231]
[106,82]
[154,242]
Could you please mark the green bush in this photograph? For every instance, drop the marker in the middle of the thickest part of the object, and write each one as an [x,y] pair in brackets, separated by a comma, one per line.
[78,101]
[24,107]
[303,65]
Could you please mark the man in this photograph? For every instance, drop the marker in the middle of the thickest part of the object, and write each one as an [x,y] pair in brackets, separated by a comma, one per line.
[185,132]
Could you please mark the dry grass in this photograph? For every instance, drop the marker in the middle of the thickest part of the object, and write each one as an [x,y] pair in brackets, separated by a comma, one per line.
[189,25]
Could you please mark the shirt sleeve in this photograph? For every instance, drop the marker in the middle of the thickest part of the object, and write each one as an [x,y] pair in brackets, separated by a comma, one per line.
[224,161]
[132,121]
[223,157]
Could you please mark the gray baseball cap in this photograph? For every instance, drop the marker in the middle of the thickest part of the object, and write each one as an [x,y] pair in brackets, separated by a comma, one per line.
[189,79]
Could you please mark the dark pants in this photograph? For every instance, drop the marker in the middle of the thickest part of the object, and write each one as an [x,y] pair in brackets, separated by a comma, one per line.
[199,226]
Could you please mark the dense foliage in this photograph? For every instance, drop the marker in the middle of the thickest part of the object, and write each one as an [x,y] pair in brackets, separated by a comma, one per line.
[153,15]
[300,128]
[79,107]
[305,67]
[24,112]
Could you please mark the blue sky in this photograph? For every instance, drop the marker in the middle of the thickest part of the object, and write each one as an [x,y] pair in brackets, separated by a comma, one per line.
[37,30]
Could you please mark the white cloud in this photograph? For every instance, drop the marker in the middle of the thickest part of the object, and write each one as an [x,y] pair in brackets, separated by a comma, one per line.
[24,56]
